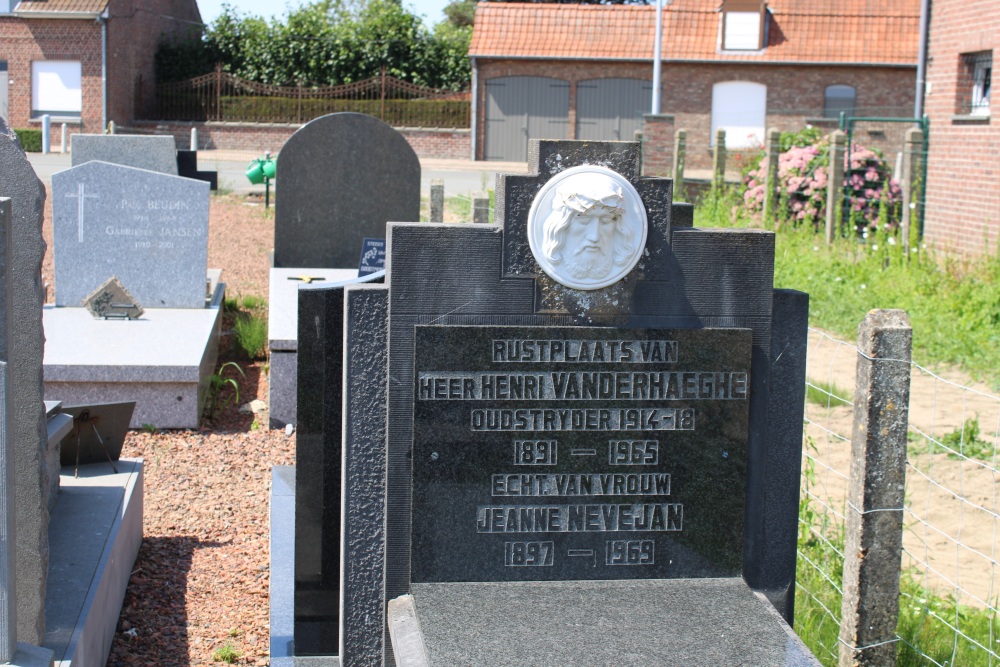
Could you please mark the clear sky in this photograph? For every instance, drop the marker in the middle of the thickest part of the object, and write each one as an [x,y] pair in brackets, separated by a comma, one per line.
[431,10]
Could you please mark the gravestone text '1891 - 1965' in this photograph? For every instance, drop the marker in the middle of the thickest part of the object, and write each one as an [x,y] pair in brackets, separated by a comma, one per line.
[150,230]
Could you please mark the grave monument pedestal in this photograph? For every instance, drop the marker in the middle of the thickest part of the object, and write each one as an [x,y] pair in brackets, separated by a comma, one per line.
[162,361]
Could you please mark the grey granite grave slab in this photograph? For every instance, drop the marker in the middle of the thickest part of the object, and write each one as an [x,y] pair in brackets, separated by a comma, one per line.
[95,533]
[148,229]
[154,153]
[162,361]
[342,177]
[665,623]
[21,346]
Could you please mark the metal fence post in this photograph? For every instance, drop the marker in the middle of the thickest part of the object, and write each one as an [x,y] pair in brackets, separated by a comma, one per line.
[719,159]
[835,185]
[874,524]
[437,200]
[680,154]
[481,208]
[913,154]
[771,177]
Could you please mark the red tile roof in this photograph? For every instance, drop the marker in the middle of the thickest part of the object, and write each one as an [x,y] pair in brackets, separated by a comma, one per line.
[799,31]
[61,6]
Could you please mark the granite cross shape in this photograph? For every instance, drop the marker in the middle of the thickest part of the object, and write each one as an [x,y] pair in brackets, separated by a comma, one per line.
[80,196]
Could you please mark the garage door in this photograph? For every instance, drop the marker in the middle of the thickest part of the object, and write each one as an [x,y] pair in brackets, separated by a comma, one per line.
[519,108]
[611,109]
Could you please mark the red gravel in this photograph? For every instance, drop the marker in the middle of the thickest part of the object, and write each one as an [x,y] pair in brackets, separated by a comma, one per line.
[201,580]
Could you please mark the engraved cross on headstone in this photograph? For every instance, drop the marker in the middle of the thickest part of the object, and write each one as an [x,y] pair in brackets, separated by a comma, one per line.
[80,196]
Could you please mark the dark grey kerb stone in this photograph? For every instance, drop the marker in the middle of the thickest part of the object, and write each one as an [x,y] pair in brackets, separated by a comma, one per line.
[342,177]
[36,469]
[150,230]
[154,153]
[690,622]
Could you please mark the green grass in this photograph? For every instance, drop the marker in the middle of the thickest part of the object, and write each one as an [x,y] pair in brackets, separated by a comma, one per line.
[250,330]
[953,303]
[826,395]
[961,443]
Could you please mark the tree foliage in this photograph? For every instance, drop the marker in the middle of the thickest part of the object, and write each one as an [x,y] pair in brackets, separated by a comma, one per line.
[325,43]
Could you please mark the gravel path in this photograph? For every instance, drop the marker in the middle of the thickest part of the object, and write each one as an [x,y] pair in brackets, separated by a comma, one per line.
[201,581]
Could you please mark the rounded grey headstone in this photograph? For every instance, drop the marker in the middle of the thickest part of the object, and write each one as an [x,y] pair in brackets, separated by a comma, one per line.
[340,179]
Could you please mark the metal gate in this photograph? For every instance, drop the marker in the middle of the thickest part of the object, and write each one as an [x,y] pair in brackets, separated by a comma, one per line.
[611,109]
[4,99]
[519,108]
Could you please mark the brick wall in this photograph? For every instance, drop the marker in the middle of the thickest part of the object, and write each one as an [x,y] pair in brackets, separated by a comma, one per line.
[23,41]
[427,143]
[794,92]
[134,30]
[657,145]
[962,211]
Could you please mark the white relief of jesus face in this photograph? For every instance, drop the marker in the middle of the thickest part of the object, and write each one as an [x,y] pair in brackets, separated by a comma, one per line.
[593,231]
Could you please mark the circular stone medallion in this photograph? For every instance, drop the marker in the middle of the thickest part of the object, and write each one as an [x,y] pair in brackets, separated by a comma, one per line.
[587,227]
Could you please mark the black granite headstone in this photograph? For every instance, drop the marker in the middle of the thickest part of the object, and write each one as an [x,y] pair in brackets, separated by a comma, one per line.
[542,435]
[688,279]
[342,177]
[320,455]
[187,166]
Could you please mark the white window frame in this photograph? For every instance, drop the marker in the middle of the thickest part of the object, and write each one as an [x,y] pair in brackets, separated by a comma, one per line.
[56,88]
[745,132]
[982,75]
[741,31]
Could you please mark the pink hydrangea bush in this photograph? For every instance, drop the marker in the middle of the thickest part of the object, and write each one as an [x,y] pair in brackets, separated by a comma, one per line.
[803,177]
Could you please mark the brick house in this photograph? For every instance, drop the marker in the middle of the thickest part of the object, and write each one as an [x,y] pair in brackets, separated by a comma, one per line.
[84,62]
[585,71]
[962,212]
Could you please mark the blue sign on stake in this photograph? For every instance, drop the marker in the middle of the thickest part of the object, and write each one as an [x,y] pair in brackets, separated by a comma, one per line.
[372,256]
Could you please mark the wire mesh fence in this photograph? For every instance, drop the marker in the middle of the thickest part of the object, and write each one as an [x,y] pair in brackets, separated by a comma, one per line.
[949,581]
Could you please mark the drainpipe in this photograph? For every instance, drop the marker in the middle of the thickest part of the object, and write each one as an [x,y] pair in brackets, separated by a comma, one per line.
[918,105]
[657,52]
[103,20]
[475,106]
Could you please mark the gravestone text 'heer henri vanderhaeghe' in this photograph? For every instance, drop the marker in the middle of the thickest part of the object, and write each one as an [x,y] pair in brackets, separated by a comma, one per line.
[148,229]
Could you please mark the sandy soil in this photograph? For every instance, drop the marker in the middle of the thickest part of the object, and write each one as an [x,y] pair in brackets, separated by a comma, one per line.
[952,523]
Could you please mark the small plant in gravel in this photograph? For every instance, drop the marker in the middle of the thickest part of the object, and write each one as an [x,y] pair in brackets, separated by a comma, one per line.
[252,302]
[227,653]
[149,428]
[215,385]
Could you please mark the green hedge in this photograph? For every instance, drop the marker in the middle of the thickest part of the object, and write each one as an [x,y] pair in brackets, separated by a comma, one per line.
[399,113]
[30,140]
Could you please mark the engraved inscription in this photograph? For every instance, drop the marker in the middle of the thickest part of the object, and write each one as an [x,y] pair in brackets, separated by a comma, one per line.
[567,433]
[528,554]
